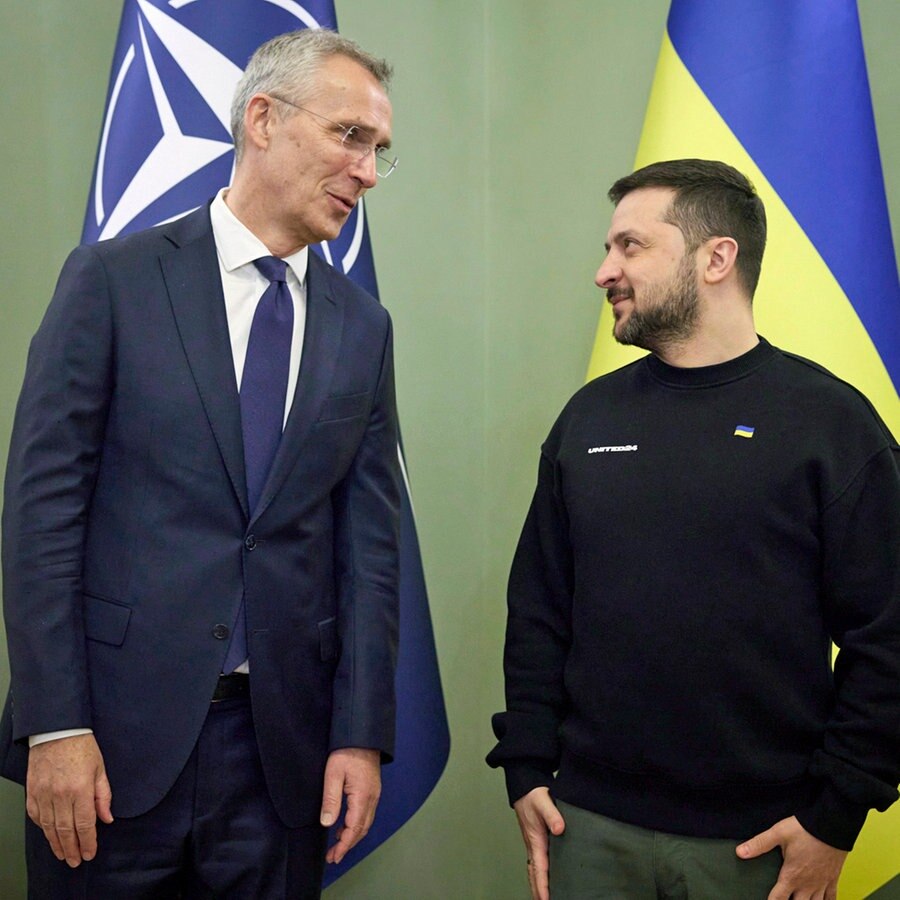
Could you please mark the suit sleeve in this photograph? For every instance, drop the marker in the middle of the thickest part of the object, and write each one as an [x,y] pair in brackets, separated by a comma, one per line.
[53,459]
[367,505]
[538,636]
[859,761]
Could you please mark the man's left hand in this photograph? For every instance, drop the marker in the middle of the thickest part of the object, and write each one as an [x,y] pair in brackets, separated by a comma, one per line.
[355,773]
[810,869]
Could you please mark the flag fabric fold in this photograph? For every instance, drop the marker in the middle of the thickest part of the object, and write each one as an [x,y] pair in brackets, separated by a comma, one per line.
[779,90]
[165,148]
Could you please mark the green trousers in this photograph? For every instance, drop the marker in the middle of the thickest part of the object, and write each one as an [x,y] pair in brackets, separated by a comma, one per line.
[598,857]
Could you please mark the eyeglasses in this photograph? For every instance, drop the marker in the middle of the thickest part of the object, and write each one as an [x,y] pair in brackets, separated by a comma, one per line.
[355,140]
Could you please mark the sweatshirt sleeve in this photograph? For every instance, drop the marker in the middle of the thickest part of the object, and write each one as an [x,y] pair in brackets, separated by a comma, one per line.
[538,635]
[858,763]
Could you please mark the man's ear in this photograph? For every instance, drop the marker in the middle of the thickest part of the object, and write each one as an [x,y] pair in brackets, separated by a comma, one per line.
[259,117]
[721,258]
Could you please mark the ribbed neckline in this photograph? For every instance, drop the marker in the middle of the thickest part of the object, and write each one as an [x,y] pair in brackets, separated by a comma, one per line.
[710,376]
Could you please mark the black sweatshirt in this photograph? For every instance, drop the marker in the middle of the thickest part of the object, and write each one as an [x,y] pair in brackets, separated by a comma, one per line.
[697,539]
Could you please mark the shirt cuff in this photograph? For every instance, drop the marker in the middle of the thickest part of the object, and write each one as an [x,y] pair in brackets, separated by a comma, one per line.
[35,739]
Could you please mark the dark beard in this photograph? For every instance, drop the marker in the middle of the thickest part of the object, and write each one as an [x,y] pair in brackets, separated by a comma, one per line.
[671,320]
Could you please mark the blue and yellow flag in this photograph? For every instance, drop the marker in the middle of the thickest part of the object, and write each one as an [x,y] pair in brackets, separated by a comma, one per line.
[165,149]
[778,89]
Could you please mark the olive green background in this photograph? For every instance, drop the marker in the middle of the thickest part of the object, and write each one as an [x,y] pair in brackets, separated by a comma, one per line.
[511,119]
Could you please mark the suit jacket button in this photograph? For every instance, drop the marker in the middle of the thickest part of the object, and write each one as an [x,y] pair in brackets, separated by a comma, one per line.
[250,541]
[220,632]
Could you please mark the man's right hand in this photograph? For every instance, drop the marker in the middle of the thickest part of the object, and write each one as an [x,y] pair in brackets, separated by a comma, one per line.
[65,792]
[538,815]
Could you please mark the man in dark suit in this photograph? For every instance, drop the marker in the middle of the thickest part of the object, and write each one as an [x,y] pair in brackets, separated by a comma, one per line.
[201,610]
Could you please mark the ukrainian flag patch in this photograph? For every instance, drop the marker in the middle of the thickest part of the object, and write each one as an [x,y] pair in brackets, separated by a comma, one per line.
[745,431]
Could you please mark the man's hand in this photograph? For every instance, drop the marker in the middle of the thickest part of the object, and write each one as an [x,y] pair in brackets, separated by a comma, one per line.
[538,815]
[356,773]
[810,869]
[66,790]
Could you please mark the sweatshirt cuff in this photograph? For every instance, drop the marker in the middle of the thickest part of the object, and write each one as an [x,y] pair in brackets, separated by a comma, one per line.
[833,819]
[522,778]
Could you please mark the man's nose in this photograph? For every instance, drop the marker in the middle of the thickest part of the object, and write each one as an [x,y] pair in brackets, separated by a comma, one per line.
[364,171]
[608,273]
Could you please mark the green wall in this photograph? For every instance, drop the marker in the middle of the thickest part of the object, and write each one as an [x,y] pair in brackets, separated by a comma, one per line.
[511,119]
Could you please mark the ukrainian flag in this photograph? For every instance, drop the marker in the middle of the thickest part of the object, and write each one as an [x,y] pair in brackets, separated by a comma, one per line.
[778,89]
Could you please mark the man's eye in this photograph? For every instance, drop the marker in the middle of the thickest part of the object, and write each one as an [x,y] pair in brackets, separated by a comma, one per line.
[353,137]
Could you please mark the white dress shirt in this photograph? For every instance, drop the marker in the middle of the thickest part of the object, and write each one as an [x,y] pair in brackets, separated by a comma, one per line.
[243,285]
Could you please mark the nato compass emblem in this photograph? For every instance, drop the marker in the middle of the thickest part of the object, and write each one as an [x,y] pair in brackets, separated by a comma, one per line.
[165,144]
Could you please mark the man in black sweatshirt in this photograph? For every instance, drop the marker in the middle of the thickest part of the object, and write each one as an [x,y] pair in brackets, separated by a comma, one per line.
[706,522]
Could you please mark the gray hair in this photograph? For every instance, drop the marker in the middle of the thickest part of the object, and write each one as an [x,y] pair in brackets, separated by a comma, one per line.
[288,63]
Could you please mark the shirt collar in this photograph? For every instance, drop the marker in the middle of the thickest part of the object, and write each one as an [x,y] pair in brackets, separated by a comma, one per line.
[237,245]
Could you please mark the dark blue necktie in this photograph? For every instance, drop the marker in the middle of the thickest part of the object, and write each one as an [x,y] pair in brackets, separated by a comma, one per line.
[263,388]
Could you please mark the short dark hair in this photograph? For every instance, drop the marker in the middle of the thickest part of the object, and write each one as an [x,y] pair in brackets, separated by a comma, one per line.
[712,199]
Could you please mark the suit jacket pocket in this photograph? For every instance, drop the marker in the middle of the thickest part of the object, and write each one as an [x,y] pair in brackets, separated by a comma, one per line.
[328,639]
[347,407]
[105,621]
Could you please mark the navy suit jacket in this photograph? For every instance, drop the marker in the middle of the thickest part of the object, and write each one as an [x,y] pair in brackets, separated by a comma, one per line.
[128,543]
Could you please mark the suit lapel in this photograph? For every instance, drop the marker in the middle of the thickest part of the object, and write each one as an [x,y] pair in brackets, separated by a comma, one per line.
[321,345]
[191,273]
